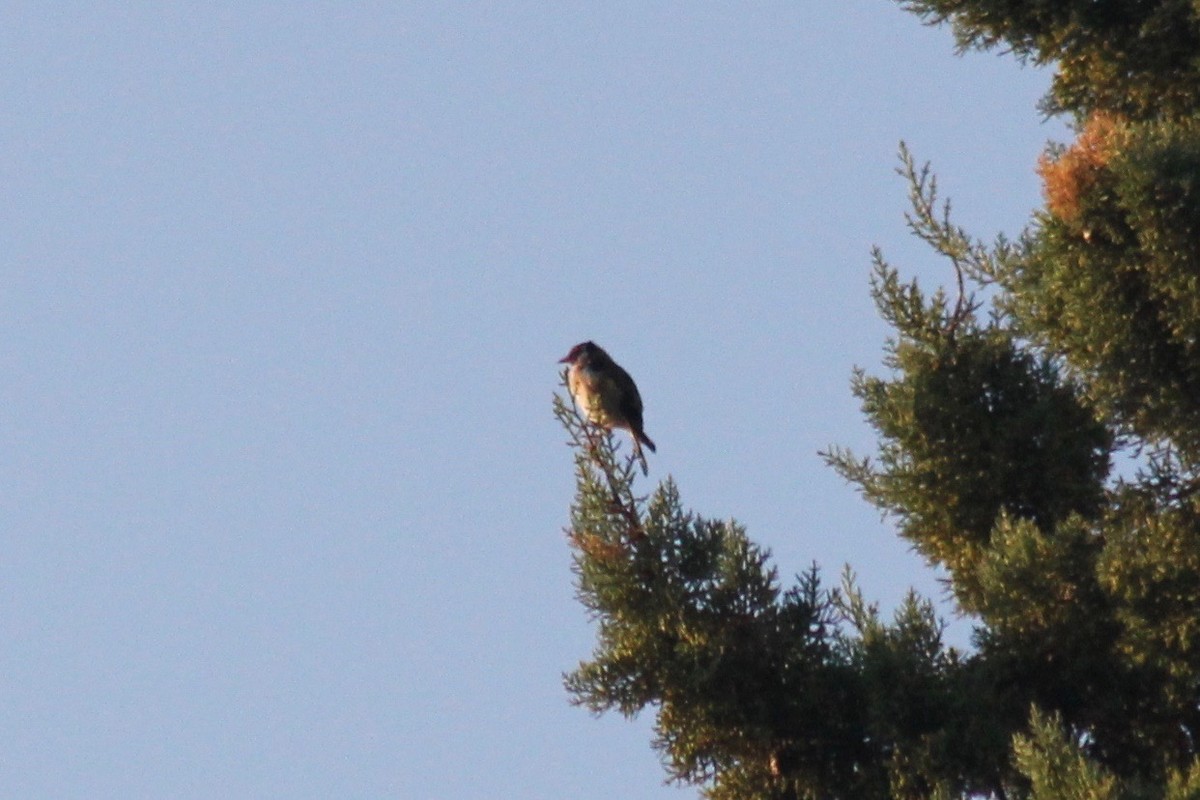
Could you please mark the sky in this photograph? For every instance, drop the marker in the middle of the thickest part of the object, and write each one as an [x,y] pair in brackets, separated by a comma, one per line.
[282,293]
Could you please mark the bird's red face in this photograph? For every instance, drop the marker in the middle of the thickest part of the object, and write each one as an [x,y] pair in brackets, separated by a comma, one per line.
[573,356]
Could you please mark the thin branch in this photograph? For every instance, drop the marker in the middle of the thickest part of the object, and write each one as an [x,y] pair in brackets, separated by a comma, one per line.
[601,451]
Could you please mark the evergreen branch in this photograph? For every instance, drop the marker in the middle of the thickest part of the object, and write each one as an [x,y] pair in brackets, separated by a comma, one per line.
[929,221]
[602,455]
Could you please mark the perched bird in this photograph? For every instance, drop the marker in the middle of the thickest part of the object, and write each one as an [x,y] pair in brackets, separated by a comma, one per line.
[605,393]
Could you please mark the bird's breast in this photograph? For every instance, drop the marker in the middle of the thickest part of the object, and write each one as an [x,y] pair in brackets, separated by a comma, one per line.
[585,388]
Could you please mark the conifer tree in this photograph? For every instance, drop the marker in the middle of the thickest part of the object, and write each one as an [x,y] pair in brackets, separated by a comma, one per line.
[1005,401]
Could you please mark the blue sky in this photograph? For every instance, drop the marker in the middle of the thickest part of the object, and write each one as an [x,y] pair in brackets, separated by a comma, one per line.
[282,295]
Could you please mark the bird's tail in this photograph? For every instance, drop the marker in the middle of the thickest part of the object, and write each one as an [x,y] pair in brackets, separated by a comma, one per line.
[641,457]
[639,439]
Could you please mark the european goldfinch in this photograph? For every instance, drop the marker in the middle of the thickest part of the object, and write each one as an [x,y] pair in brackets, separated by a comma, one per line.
[605,393]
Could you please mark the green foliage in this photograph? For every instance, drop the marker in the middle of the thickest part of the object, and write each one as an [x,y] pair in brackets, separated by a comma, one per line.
[760,692]
[970,425]
[920,700]
[1151,570]
[1185,785]
[997,434]
[1134,57]
[1151,567]
[746,677]
[1113,284]
[1053,758]
[1056,768]
[1052,638]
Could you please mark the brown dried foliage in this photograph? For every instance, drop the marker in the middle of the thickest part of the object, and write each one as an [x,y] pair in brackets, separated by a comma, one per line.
[597,548]
[1073,173]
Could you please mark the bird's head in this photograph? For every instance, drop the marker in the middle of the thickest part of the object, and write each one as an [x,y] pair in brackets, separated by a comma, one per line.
[581,351]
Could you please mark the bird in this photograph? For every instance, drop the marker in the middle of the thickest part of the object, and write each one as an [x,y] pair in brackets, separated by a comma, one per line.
[606,394]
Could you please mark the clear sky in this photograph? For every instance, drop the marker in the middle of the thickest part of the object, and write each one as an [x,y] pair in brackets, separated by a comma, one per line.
[283,288]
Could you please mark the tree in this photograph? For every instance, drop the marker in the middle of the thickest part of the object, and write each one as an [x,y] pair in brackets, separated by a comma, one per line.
[1006,400]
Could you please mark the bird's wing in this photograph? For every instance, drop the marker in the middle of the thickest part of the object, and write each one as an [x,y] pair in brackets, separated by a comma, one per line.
[630,402]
